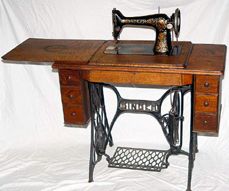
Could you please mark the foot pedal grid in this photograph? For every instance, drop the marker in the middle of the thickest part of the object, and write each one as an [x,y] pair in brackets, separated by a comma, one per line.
[140,159]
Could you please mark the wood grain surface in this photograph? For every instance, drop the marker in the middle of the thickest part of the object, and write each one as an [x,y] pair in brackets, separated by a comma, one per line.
[80,61]
[51,50]
[76,54]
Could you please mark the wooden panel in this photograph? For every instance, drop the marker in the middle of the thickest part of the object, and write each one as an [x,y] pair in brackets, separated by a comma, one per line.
[206,122]
[75,115]
[71,95]
[85,57]
[204,59]
[206,103]
[207,84]
[69,77]
[207,59]
[133,78]
[50,50]
[157,79]
[187,79]
[75,100]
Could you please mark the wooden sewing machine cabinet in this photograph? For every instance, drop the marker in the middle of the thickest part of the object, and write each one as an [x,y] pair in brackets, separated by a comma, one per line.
[80,62]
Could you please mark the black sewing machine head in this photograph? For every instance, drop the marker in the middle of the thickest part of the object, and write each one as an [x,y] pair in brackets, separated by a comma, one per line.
[162,24]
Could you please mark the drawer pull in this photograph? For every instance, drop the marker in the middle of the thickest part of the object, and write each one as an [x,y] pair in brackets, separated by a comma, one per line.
[71,96]
[206,84]
[67,78]
[205,122]
[206,103]
[73,114]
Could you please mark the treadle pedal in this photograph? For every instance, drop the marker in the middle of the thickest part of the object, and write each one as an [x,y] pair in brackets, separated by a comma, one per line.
[140,159]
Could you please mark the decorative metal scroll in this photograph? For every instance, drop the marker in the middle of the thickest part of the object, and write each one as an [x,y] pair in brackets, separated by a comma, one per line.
[131,158]
[99,126]
[138,106]
[140,159]
[171,122]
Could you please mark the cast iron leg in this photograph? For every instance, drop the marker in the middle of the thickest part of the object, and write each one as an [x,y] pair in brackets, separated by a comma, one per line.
[92,156]
[92,147]
[99,126]
[170,122]
[191,161]
[196,142]
[192,146]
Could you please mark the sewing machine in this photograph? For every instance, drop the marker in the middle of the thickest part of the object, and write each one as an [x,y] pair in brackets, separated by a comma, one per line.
[85,67]
[161,23]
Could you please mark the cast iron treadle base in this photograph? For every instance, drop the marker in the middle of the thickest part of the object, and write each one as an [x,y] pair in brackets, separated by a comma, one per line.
[140,159]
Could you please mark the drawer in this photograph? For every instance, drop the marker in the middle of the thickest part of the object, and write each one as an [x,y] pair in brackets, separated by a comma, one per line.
[71,95]
[206,122]
[75,115]
[207,84]
[206,103]
[69,77]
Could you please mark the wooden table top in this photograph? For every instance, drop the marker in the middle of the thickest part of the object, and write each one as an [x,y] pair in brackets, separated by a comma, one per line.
[89,55]
[50,50]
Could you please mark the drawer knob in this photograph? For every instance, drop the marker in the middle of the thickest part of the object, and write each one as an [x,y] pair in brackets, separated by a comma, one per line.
[66,78]
[206,84]
[205,122]
[206,103]
[71,96]
[73,114]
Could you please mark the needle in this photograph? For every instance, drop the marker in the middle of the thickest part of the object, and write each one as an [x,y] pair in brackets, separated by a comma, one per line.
[116,46]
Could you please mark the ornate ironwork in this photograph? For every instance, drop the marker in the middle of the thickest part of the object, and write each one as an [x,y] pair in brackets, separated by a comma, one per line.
[99,127]
[171,123]
[138,106]
[192,146]
[144,159]
[140,159]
